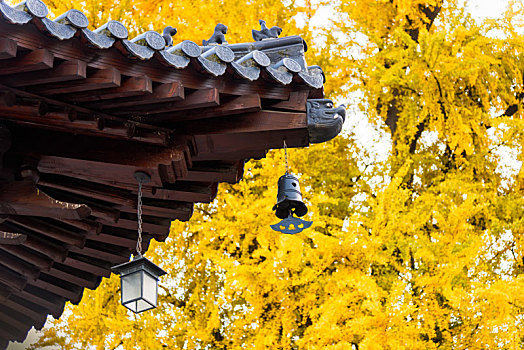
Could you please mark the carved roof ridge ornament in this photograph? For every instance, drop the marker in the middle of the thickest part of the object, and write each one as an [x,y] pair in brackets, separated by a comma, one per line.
[324,122]
[218,37]
[266,33]
[168,34]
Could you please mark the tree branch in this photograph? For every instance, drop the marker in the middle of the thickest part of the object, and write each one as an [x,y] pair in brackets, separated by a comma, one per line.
[393,110]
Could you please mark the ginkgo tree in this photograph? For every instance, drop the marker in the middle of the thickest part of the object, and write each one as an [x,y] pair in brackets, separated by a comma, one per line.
[423,250]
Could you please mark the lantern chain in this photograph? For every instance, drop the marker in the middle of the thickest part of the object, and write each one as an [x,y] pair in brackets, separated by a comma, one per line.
[139,212]
[285,155]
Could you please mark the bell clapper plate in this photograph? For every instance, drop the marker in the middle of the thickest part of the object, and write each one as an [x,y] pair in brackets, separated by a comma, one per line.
[291,225]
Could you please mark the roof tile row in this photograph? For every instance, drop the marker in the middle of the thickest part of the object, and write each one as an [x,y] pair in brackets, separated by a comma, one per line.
[247,60]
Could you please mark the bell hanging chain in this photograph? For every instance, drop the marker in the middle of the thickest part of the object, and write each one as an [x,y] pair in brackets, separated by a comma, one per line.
[139,212]
[285,155]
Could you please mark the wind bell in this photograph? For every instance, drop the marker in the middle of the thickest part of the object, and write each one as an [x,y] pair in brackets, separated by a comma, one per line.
[289,203]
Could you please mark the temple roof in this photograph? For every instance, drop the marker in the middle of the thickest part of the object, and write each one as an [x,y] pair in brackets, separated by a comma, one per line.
[82,110]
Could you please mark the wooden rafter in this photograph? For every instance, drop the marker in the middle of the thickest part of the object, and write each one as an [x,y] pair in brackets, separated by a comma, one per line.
[23,198]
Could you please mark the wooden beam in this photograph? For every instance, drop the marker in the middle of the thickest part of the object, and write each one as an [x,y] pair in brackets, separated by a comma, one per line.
[123,175]
[52,302]
[31,105]
[77,277]
[108,160]
[23,198]
[115,167]
[170,210]
[72,294]
[32,111]
[231,156]
[87,189]
[88,226]
[49,230]
[18,265]
[97,253]
[237,105]
[37,317]
[185,192]
[133,86]
[168,92]
[8,48]
[55,252]
[65,71]
[12,333]
[13,318]
[32,61]
[61,122]
[101,79]
[12,238]
[245,123]
[297,102]
[12,279]
[34,242]
[98,210]
[108,173]
[198,99]
[115,240]
[160,232]
[79,262]
[28,256]
[250,142]
[7,98]
[147,131]
[216,172]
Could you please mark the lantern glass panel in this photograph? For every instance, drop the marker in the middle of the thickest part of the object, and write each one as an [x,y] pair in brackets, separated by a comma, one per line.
[131,287]
[139,306]
[143,305]
[150,289]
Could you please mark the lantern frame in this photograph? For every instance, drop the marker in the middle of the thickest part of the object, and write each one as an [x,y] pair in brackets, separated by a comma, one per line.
[139,265]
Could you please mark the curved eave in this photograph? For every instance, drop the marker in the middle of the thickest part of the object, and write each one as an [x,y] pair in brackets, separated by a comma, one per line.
[84,109]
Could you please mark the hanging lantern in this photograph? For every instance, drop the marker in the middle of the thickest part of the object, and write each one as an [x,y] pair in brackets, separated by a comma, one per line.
[289,203]
[139,277]
[139,284]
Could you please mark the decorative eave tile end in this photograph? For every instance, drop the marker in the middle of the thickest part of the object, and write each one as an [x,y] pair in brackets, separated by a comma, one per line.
[324,122]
